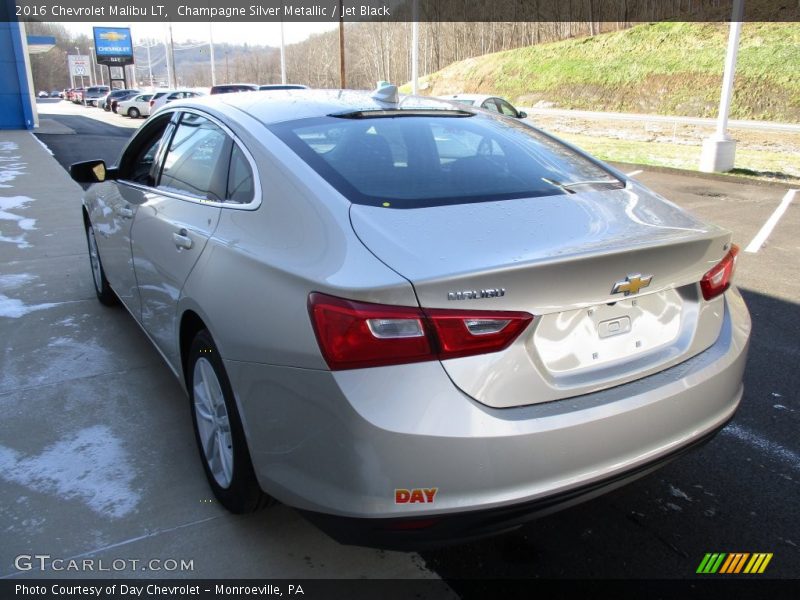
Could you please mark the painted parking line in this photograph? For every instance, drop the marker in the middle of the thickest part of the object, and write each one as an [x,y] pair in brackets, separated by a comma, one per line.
[761,237]
[634,173]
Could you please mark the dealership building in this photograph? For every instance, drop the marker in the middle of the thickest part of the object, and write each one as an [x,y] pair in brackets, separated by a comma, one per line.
[17,101]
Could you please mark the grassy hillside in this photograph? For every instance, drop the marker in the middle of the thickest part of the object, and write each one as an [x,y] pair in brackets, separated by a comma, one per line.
[662,68]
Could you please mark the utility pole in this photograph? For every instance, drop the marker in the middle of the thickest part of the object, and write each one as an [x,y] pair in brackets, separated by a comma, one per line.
[414,47]
[342,77]
[211,48]
[719,150]
[172,56]
[283,57]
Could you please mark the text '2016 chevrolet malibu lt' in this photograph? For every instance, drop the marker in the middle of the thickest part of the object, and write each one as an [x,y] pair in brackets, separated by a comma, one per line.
[413,320]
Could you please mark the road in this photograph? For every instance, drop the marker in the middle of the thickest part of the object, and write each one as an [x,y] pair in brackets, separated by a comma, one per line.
[613,116]
[739,493]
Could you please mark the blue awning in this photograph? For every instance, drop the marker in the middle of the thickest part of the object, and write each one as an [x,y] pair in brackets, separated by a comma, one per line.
[37,44]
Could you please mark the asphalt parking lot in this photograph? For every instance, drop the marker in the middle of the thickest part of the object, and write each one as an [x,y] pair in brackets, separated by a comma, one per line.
[97,456]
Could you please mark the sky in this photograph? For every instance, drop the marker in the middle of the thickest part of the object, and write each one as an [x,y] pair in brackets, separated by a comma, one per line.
[265,34]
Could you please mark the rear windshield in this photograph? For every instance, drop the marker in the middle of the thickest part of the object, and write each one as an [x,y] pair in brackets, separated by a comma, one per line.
[227,89]
[416,161]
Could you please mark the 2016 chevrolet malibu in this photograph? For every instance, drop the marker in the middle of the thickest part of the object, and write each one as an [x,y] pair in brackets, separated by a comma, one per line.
[413,320]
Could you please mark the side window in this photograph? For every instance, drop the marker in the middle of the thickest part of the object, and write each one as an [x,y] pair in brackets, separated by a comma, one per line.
[138,162]
[506,108]
[490,105]
[197,160]
[240,178]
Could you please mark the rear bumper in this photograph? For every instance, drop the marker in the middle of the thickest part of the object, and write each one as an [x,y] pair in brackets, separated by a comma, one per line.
[340,444]
[410,533]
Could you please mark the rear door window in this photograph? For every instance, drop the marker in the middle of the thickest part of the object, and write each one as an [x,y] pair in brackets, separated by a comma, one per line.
[196,162]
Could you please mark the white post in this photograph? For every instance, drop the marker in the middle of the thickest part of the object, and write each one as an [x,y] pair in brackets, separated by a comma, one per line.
[211,48]
[93,72]
[415,48]
[283,57]
[719,150]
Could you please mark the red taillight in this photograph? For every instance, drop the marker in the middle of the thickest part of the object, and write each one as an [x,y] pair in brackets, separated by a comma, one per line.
[465,332]
[718,279]
[151,103]
[355,335]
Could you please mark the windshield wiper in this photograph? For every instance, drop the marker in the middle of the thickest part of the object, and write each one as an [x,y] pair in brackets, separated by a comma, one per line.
[567,187]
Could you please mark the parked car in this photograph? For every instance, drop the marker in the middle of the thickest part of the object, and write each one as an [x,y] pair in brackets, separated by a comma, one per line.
[77,95]
[107,101]
[229,88]
[492,103]
[160,99]
[55,94]
[418,328]
[138,106]
[42,94]
[93,93]
[282,86]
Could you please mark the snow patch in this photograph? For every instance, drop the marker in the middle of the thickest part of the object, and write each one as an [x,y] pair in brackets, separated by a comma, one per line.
[24,223]
[45,146]
[13,281]
[90,465]
[678,493]
[10,165]
[768,447]
[15,308]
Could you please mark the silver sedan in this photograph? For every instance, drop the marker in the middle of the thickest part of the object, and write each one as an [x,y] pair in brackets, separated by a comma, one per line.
[409,319]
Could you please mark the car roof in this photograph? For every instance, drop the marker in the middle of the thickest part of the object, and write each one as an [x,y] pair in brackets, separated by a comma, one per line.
[287,105]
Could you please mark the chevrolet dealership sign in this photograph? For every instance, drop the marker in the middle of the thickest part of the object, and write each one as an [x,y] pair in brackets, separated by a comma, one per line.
[113,45]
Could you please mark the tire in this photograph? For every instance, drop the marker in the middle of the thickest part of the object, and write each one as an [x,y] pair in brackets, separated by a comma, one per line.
[104,292]
[224,454]
[133,112]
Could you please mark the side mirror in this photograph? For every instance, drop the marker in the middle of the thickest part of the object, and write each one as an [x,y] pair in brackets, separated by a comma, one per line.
[91,171]
[522,114]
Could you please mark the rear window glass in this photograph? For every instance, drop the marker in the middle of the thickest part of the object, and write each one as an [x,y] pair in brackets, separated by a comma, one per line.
[415,161]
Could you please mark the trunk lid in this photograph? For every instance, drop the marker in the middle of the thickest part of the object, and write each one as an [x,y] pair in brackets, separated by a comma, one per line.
[559,258]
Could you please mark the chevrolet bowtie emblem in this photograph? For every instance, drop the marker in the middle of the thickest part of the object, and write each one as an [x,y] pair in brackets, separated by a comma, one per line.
[631,284]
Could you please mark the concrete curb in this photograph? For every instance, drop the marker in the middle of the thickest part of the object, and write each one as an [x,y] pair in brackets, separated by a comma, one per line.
[709,176]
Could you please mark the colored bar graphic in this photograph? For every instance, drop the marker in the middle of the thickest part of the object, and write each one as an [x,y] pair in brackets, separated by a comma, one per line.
[733,563]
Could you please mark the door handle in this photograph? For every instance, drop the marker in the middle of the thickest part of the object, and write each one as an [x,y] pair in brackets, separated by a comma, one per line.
[124,212]
[182,239]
